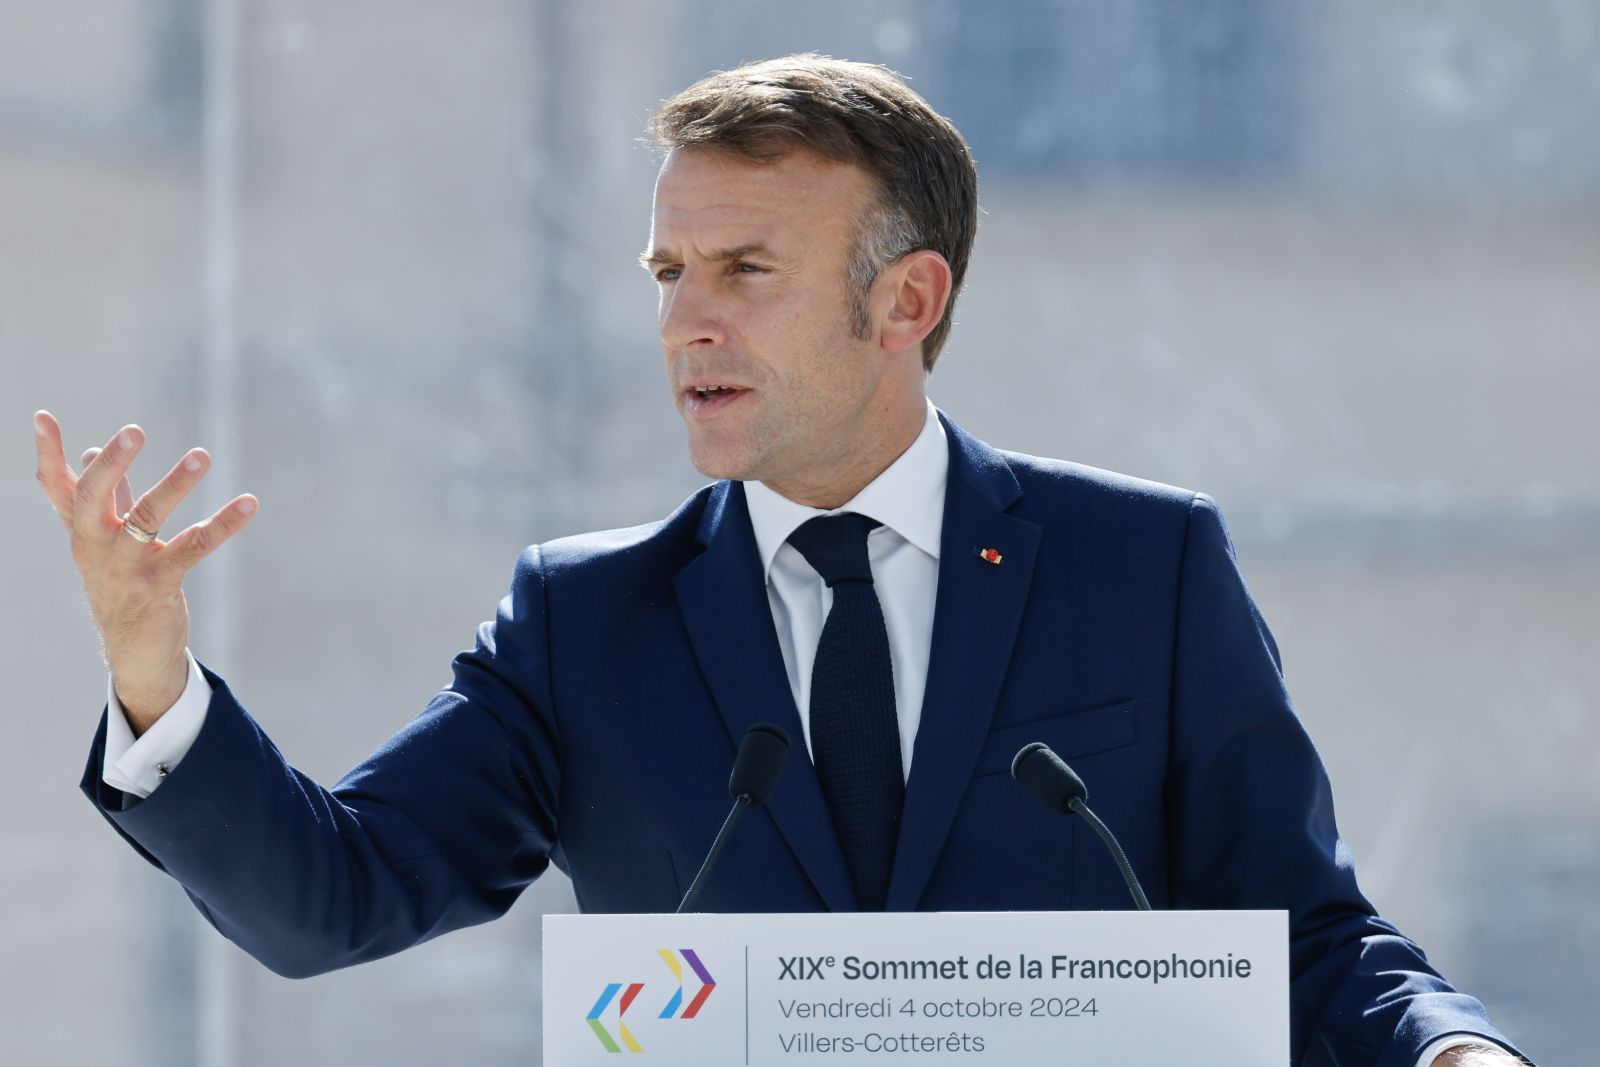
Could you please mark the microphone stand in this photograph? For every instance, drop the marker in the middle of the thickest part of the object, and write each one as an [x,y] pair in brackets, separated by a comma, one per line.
[739,805]
[1080,808]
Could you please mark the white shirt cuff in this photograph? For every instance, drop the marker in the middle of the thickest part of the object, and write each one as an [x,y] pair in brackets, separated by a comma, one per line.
[1450,1041]
[137,766]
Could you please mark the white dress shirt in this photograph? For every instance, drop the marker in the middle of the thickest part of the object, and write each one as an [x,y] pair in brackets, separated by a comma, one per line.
[907,498]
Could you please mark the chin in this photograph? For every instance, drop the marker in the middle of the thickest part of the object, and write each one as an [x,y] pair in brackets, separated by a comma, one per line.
[737,452]
[720,463]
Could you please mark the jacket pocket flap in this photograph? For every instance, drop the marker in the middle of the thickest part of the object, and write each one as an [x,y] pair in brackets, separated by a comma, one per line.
[1074,733]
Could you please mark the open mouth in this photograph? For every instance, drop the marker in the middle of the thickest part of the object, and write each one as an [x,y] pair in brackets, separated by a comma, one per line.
[709,399]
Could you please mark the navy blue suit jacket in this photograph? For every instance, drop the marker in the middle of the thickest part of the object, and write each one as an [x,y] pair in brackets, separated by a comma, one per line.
[594,723]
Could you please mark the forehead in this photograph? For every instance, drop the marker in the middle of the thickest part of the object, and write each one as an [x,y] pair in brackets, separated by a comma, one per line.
[705,196]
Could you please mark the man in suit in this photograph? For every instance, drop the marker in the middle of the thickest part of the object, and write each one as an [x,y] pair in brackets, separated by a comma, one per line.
[911,602]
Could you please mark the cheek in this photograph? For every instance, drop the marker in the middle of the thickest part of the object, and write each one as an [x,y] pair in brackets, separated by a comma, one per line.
[815,327]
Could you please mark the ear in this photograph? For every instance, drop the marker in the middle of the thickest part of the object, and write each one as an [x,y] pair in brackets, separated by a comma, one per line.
[913,292]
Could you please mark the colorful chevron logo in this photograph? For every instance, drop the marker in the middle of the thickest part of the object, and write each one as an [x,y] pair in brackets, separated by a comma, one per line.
[622,1009]
[675,965]
[706,982]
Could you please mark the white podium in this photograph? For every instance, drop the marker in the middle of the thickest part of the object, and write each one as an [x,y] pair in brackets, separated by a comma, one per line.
[1013,988]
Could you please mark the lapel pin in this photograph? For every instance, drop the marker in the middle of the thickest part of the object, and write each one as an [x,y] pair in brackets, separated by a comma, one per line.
[991,555]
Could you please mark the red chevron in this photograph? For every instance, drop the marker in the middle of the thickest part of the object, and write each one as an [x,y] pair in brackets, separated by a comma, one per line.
[699,999]
[627,998]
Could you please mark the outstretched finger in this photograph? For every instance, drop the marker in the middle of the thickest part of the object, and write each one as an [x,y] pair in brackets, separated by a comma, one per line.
[200,540]
[124,490]
[95,496]
[55,477]
[153,509]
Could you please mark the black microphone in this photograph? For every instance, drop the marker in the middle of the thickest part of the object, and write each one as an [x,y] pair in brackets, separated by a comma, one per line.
[755,773]
[1056,786]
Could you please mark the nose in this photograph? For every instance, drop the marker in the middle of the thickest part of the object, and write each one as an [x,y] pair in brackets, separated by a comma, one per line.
[691,314]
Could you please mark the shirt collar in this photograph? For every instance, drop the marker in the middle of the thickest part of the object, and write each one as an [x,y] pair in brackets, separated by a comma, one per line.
[908,498]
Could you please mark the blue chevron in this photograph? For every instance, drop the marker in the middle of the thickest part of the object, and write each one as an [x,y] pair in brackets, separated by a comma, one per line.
[605,998]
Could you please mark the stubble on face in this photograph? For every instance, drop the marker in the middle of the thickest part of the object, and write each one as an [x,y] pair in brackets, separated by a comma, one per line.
[820,410]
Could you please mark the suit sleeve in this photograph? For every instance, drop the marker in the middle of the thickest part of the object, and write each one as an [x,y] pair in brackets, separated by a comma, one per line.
[1253,820]
[442,827]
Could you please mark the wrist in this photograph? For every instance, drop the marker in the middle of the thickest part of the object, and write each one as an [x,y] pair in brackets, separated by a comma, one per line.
[144,700]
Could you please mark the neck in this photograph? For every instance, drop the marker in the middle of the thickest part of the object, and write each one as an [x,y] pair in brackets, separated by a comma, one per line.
[831,489]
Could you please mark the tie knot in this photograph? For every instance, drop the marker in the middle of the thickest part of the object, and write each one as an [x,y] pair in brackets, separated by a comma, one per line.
[836,546]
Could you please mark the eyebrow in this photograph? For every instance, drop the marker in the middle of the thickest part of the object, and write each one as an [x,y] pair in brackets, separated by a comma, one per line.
[661,256]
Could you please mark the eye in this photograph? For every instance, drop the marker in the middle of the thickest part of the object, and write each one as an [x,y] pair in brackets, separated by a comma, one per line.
[668,274]
[749,268]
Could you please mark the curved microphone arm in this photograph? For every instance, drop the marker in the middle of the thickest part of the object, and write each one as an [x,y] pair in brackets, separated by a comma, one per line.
[1080,808]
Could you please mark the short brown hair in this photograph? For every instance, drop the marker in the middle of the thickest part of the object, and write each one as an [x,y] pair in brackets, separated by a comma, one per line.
[858,113]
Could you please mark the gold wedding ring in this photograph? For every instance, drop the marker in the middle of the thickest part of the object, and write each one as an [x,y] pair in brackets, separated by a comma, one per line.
[135,532]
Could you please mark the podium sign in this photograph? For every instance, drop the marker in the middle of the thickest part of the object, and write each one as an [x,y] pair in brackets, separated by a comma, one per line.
[980,987]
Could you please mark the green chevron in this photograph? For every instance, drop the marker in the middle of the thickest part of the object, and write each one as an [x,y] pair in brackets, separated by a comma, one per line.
[605,1038]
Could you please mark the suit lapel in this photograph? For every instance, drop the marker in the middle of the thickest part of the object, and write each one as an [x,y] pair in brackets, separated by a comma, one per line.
[977,609]
[724,604]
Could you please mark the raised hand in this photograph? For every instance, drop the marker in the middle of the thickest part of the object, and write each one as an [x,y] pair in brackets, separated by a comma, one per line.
[134,579]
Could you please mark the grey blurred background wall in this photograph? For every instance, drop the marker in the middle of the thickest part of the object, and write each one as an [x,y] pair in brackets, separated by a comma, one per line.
[1337,264]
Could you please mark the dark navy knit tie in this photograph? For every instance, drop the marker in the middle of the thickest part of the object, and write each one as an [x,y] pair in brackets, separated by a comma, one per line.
[855,733]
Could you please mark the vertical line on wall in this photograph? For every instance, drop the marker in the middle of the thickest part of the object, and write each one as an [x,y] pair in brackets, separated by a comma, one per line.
[218,424]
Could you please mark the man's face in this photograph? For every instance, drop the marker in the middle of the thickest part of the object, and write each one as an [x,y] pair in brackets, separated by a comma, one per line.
[750,260]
